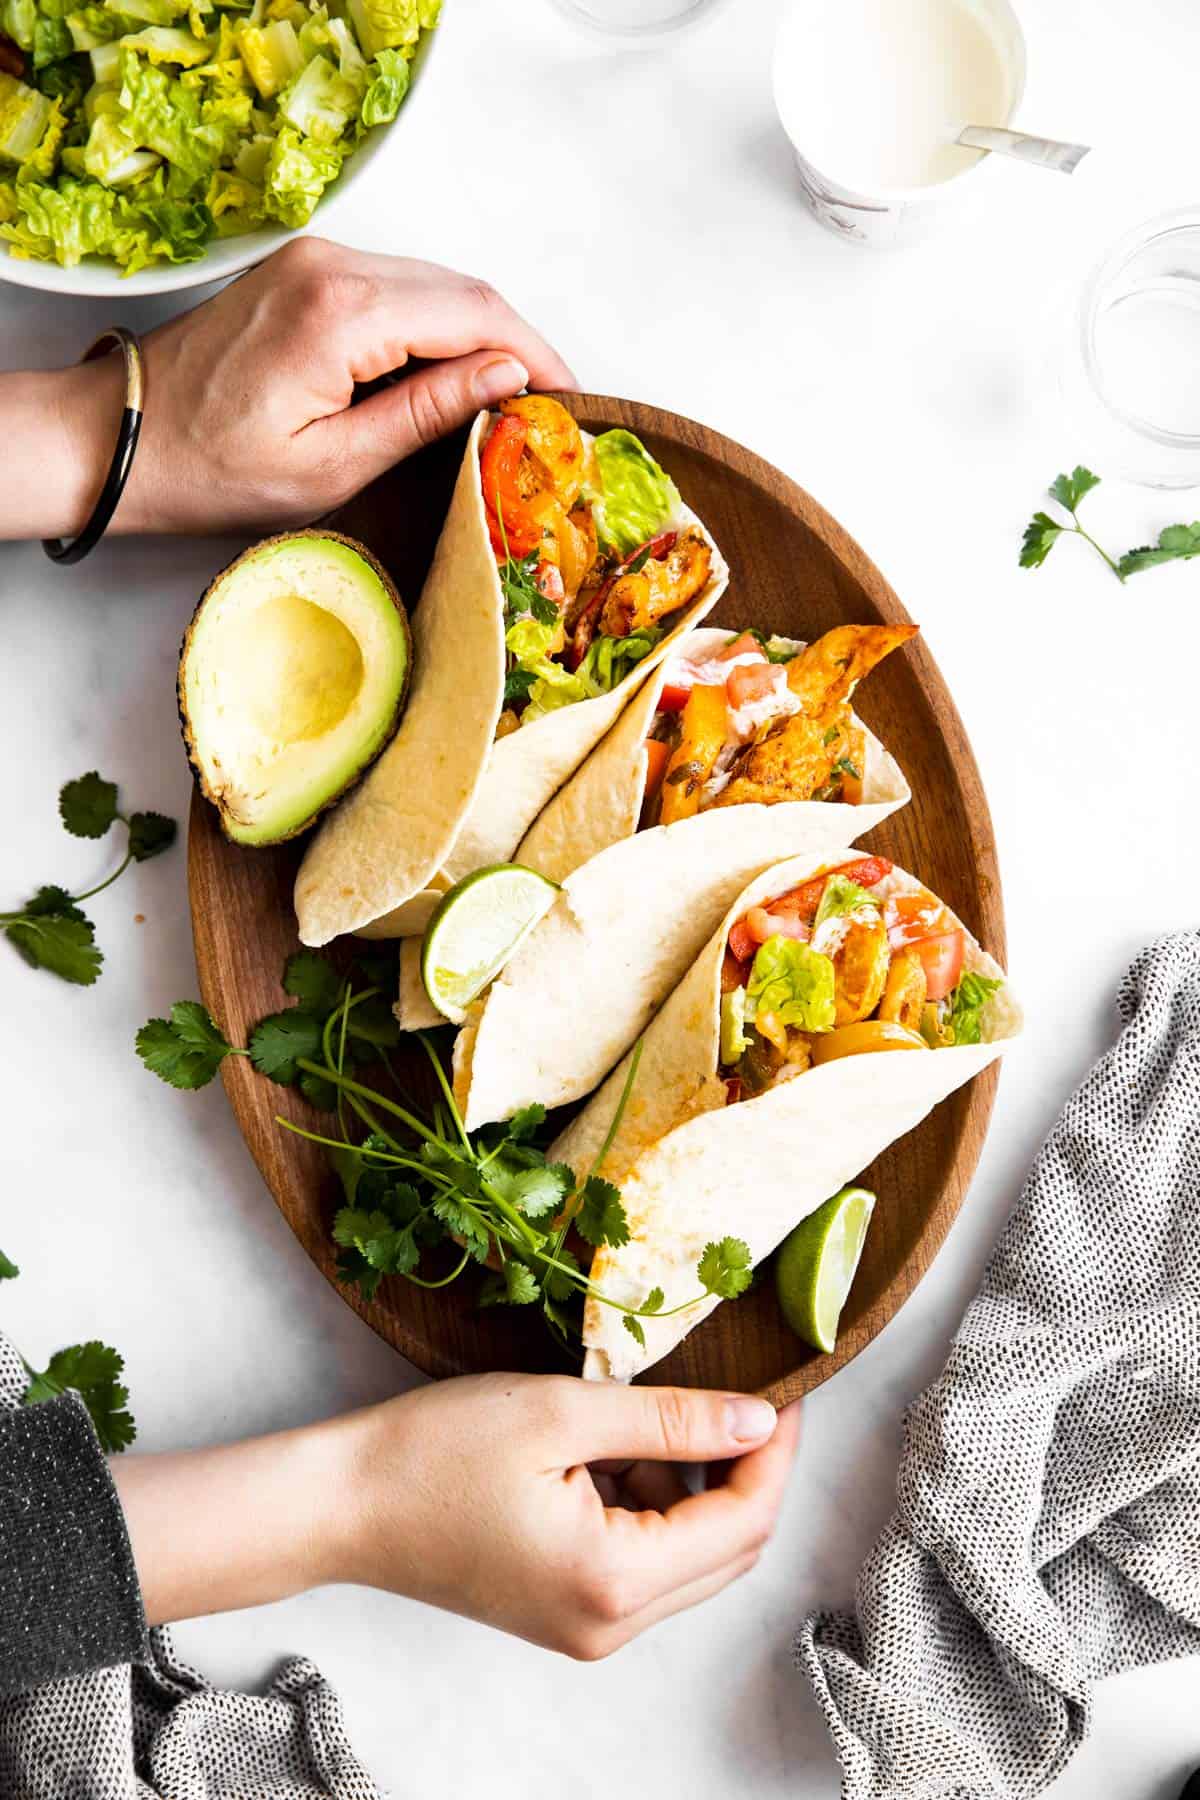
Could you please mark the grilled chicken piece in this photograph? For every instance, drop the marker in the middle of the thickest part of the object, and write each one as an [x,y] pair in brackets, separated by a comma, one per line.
[857,945]
[816,753]
[660,588]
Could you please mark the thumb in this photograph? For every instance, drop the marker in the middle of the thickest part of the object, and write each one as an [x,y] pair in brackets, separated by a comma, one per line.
[416,409]
[634,1424]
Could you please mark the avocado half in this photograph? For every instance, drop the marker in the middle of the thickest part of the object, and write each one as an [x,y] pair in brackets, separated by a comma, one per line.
[292,677]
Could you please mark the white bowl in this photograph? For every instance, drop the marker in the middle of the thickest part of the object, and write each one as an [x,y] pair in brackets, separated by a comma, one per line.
[225,257]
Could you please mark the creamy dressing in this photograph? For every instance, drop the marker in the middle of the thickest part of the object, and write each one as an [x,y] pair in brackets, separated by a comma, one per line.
[874,92]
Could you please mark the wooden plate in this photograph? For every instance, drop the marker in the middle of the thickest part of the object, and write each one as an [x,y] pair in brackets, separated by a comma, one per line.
[795,571]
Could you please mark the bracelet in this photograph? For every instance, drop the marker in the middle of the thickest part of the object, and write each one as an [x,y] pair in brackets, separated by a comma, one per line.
[122,458]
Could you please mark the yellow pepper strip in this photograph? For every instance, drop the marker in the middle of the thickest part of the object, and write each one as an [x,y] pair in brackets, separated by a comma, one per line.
[866,1035]
[704,726]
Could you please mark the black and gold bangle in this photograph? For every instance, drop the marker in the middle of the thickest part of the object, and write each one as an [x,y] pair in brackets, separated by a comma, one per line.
[122,459]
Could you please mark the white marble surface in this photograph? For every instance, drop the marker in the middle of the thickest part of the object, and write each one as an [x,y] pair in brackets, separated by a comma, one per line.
[650,225]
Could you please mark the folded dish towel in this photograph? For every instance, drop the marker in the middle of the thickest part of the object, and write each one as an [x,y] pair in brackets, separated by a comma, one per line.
[1047,1530]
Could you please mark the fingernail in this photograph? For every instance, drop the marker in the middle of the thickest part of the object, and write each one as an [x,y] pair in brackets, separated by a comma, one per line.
[498,380]
[748,1420]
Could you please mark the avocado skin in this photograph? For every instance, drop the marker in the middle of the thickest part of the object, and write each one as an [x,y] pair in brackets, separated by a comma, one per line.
[285,537]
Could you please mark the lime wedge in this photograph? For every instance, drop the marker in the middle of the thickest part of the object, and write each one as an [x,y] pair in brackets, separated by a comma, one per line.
[475,929]
[816,1265]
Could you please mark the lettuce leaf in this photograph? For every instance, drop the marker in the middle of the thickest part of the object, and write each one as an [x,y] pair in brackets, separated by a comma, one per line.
[24,116]
[296,175]
[389,84]
[633,499]
[964,1014]
[794,982]
[842,896]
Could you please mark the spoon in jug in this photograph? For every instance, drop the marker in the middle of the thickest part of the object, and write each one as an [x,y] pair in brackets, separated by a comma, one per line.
[1043,153]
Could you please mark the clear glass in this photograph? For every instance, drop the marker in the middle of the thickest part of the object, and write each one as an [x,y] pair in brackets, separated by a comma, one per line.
[1131,367]
[634,19]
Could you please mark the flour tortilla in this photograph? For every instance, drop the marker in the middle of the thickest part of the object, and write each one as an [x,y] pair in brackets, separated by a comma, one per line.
[447,797]
[602,802]
[693,1170]
[623,932]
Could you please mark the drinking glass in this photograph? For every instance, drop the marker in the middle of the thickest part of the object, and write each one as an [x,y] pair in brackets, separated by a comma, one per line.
[1130,372]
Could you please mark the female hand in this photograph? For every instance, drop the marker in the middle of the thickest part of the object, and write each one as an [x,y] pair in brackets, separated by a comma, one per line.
[475,1495]
[248,421]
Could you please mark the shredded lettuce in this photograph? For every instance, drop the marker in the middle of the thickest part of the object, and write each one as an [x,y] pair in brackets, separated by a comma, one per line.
[146,128]
[632,499]
[794,982]
[607,663]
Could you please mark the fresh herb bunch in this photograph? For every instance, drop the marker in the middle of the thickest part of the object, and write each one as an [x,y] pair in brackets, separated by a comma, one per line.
[91,1370]
[418,1182]
[1177,543]
[51,931]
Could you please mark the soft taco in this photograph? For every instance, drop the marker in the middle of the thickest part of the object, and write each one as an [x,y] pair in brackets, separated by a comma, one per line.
[567,568]
[763,1087]
[732,718]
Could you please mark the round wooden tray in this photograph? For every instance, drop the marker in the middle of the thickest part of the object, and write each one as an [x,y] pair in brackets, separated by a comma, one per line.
[794,571]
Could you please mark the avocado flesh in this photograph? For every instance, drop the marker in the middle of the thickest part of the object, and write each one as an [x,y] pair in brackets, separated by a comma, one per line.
[291,681]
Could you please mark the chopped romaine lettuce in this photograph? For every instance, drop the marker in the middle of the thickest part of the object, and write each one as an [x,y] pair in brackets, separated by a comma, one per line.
[24,116]
[633,498]
[965,1010]
[607,663]
[147,127]
[841,896]
[793,982]
[734,1037]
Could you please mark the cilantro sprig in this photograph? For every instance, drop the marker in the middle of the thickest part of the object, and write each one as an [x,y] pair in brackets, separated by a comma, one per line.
[93,1371]
[423,1198]
[1177,543]
[51,931]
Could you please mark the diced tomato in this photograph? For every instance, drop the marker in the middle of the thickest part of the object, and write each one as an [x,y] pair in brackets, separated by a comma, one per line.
[742,942]
[804,900]
[745,644]
[510,526]
[674,696]
[549,583]
[658,755]
[754,681]
[655,549]
[911,917]
[734,974]
[758,924]
[942,959]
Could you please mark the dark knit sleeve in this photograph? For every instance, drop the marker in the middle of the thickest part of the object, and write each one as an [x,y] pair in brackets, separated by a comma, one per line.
[69,1595]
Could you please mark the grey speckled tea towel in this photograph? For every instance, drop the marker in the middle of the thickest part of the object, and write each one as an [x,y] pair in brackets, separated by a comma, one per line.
[1047,1530]
[156,1730]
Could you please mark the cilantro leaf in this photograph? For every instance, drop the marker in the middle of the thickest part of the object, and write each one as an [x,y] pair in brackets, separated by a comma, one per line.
[558,1285]
[652,1303]
[8,1269]
[601,1217]
[312,980]
[93,1371]
[187,1050]
[374,1022]
[1178,543]
[150,833]
[525,1123]
[318,1092]
[355,1271]
[88,805]
[280,1040]
[1041,535]
[56,900]
[463,1224]
[543,1188]
[518,684]
[1070,489]
[517,1286]
[634,1327]
[390,1250]
[725,1268]
[63,943]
